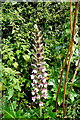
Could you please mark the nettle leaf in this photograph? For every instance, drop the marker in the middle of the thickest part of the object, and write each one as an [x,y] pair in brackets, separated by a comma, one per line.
[10,93]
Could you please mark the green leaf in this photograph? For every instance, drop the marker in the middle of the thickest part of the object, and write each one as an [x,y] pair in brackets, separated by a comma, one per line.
[13,31]
[26,57]
[2,87]
[14,105]
[52,114]
[9,114]
[60,99]
[15,64]
[18,113]
[72,95]
[10,93]
[8,70]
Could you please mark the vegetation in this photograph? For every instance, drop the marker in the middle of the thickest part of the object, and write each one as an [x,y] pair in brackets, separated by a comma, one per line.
[59,26]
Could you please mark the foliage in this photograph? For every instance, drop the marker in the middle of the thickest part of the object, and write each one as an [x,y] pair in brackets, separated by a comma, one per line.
[18,20]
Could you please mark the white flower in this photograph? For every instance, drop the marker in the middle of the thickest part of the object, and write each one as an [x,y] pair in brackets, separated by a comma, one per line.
[32,76]
[45,96]
[40,38]
[41,104]
[33,93]
[40,85]
[39,33]
[35,81]
[41,58]
[41,45]
[33,65]
[45,85]
[36,27]
[44,90]
[32,84]
[34,71]
[43,80]
[39,76]
[44,69]
[38,96]
[34,98]
[45,74]
[36,89]
[38,65]
[43,63]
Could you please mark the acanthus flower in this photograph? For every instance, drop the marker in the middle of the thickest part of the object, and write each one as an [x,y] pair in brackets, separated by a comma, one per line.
[35,81]
[34,98]
[40,84]
[41,104]
[44,90]
[41,58]
[33,65]
[33,93]
[45,96]
[38,73]
[39,76]
[43,69]
[34,71]
[45,85]
[45,74]
[32,76]
[38,96]
[43,80]
[36,89]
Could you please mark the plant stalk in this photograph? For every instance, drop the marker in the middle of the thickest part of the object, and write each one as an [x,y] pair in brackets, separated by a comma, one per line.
[40,112]
[69,61]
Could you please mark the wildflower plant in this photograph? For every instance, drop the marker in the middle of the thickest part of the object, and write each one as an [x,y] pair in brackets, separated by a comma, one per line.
[39,74]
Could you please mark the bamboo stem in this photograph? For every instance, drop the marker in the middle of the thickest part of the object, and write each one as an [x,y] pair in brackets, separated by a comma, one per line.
[71,16]
[62,70]
[69,61]
[77,67]
[73,79]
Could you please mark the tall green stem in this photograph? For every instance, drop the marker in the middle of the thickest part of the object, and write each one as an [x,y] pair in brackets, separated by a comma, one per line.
[40,111]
